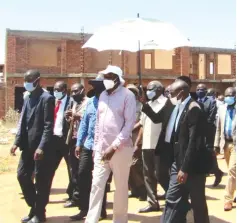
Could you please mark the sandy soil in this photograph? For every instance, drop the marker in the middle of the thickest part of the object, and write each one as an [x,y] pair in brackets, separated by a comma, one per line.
[13,207]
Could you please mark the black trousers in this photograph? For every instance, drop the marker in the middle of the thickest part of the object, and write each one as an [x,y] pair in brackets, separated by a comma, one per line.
[150,168]
[84,180]
[43,170]
[136,178]
[215,167]
[164,165]
[61,151]
[73,167]
[177,196]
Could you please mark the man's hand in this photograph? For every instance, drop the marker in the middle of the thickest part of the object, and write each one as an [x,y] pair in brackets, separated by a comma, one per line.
[75,116]
[182,177]
[68,113]
[38,154]
[13,150]
[77,152]
[108,153]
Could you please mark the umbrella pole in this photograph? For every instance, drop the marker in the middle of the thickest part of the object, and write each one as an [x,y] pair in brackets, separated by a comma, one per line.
[139,65]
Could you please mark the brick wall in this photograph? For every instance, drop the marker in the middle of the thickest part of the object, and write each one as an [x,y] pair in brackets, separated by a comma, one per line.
[2,99]
[69,59]
[212,57]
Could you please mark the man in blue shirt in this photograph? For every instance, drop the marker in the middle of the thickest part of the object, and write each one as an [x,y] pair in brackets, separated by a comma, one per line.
[84,151]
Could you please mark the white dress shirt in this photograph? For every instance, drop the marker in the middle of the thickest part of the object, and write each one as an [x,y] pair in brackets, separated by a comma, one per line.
[178,110]
[151,131]
[58,126]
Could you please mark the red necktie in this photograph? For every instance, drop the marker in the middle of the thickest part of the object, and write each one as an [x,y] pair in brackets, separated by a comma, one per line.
[56,109]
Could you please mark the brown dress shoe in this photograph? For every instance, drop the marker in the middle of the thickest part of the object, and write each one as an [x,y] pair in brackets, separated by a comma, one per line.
[228,206]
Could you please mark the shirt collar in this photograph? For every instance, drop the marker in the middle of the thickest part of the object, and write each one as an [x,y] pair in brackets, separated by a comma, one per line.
[185,102]
[161,99]
[64,99]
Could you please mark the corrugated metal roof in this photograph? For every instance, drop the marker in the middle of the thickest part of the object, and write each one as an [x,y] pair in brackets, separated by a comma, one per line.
[48,35]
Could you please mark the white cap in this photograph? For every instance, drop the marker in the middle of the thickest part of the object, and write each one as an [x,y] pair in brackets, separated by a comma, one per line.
[115,70]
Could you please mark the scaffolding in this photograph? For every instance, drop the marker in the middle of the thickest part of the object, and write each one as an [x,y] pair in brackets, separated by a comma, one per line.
[82,58]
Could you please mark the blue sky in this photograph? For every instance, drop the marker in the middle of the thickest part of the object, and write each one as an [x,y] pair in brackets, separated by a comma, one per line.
[205,22]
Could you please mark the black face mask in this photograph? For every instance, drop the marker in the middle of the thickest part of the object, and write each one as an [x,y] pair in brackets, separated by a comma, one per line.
[98,87]
[78,97]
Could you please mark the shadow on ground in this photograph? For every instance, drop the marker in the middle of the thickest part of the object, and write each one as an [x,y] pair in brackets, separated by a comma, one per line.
[131,217]
[57,202]
[58,191]
[220,186]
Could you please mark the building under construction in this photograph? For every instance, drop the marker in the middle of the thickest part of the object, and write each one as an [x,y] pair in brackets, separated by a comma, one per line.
[59,56]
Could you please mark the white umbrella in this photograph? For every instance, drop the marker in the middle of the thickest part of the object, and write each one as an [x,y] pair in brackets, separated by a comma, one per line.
[127,34]
[135,35]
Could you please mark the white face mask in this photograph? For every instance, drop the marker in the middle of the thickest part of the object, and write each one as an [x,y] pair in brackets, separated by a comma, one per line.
[109,84]
[58,95]
[151,94]
[175,101]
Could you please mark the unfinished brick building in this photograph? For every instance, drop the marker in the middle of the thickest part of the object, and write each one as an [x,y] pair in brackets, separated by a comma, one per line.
[60,56]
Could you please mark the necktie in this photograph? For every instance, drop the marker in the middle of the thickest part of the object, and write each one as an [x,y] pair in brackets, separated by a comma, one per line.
[56,109]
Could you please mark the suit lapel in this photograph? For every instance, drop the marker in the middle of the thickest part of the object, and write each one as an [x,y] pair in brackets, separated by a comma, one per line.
[32,110]
[183,115]
[22,115]
[35,105]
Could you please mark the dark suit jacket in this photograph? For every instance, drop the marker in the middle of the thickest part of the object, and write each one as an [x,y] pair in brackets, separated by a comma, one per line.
[189,150]
[40,124]
[210,110]
[65,123]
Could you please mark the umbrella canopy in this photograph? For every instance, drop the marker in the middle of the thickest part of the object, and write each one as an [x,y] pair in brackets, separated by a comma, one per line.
[137,34]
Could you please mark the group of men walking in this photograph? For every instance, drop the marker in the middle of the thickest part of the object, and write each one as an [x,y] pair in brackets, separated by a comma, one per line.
[143,140]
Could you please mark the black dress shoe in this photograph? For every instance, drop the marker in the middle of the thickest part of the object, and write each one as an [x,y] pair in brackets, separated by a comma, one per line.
[149,208]
[28,218]
[36,219]
[79,216]
[235,200]
[70,204]
[218,178]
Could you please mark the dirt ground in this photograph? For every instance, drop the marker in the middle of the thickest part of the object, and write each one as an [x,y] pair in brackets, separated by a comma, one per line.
[13,207]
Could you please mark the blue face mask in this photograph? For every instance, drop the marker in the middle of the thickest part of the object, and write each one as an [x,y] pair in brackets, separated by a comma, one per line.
[230,100]
[201,94]
[58,95]
[29,86]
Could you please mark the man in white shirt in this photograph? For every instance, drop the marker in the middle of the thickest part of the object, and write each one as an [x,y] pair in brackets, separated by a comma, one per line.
[61,126]
[151,132]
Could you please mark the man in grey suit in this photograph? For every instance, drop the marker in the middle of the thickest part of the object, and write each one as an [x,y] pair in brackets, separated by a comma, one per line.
[34,134]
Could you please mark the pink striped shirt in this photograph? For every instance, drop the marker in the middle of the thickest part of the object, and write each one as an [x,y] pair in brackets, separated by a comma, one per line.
[116,117]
